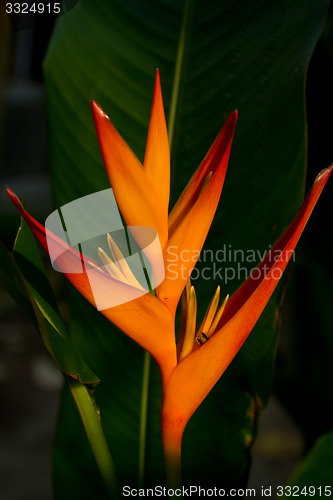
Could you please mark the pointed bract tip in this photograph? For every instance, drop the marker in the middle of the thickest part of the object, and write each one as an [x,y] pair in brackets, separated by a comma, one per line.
[234,115]
[326,172]
[230,123]
[15,199]
[157,78]
[157,84]
[324,175]
[97,110]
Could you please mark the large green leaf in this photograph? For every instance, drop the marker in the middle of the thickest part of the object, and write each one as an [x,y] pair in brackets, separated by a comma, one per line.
[250,56]
[315,474]
[12,281]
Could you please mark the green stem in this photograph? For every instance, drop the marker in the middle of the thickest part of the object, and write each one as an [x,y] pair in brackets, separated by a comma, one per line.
[143,417]
[93,428]
[172,465]
[172,443]
[178,70]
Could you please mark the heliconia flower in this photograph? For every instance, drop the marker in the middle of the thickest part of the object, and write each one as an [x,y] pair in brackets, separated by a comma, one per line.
[190,369]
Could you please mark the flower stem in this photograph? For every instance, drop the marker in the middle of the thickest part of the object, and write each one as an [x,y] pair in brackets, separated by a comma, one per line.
[143,417]
[172,441]
[93,428]
[172,467]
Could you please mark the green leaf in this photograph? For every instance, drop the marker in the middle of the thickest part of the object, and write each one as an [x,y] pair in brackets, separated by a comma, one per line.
[28,258]
[316,471]
[28,270]
[11,280]
[236,55]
